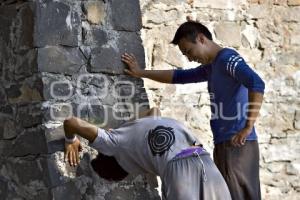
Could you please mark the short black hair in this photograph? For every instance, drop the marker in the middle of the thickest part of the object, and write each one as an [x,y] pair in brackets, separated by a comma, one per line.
[108,168]
[190,30]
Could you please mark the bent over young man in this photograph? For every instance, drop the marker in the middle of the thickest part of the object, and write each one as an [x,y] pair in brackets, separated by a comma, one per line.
[156,145]
[236,94]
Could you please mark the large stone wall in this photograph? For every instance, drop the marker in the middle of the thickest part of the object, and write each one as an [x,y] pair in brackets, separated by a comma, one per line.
[267,34]
[60,58]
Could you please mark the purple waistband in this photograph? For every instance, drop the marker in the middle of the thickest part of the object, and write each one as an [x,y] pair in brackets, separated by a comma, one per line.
[191,151]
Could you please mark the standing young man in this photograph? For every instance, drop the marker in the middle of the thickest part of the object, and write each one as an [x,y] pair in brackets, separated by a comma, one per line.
[236,93]
[155,145]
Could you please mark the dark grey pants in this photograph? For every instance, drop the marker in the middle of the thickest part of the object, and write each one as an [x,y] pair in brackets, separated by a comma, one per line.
[194,178]
[240,169]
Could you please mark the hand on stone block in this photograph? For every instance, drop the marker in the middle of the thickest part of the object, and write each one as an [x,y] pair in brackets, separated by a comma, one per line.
[72,152]
[133,66]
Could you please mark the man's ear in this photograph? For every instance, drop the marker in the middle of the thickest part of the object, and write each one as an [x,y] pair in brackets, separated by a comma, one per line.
[200,38]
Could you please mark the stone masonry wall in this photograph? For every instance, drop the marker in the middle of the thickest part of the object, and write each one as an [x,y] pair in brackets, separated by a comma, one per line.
[267,34]
[60,58]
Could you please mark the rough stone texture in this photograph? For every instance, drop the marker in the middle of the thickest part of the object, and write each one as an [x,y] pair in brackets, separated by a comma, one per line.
[266,33]
[257,11]
[63,28]
[229,33]
[297,120]
[126,16]
[107,59]
[61,58]
[293,2]
[95,12]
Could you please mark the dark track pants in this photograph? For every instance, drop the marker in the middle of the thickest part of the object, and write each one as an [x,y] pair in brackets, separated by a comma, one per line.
[240,169]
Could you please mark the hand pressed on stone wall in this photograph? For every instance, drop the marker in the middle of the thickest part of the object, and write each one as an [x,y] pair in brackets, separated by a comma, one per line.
[133,66]
[163,76]
[72,152]
[74,126]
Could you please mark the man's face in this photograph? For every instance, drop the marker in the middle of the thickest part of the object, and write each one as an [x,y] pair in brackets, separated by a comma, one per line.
[194,51]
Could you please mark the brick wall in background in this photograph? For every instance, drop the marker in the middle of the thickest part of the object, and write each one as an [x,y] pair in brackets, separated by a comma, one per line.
[267,34]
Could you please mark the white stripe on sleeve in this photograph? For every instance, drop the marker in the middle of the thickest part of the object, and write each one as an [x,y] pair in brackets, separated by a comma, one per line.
[236,63]
[231,64]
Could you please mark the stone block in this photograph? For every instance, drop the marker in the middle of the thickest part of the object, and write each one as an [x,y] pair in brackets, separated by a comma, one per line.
[276,167]
[217,4]
[297,120]
[27,175]
[29,115]
[295,40]
[280,2]
[92,111]
[124,90]
[9,190]
[129,193]
[92,86]
[174,56]
[17,26]
[108,59]
[26,64]
[126,16]
[13,91]
[229,33]
[4,189]
[96,113]
[57,23]
[24,27]
[286,58]
[55,138]
[3,99]
[60,60]
[94,37]
[293,2]
[57,87]
[129,89]
[120,193]
[28,91]
[67,191]
[286,154]
[8,111]
[293,168]
[58,111]
[100,115]
[258,11]
[7,16]
[95,11]
[8,128]
[290,14]
[171,2]
[253,1]
[23,144]
[155,16]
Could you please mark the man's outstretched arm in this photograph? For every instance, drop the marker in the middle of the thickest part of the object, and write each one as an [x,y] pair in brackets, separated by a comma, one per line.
[163,76]
[80,127]
[178,76]
[75,126]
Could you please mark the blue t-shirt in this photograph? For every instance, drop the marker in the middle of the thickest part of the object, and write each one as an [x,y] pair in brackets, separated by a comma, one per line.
[229,80]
